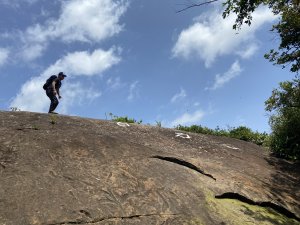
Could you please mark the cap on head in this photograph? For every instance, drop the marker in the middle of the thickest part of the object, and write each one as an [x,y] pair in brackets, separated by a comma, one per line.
[62,74]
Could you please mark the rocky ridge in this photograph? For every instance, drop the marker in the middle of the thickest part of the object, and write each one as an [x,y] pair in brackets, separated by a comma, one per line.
[57,169]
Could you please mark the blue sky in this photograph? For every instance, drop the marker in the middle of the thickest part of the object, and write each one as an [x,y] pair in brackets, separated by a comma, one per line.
[138,58]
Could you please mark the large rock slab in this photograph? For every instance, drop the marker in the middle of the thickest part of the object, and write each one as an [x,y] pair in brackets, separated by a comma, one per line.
[57,169]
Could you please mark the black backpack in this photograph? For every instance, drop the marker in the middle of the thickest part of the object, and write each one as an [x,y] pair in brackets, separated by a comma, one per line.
[49,82]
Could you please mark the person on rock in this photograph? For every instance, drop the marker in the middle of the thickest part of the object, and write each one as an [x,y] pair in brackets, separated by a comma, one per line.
[52,86]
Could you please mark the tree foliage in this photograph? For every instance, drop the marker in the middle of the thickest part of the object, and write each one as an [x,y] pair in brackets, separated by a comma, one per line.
[288,27]
[241,132]
[124,119]
[289,30]
[284,104]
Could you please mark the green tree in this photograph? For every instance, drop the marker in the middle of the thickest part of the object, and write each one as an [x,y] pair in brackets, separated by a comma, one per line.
[241,132]
[288,27]
[124,119]
[284,104]
[289,30]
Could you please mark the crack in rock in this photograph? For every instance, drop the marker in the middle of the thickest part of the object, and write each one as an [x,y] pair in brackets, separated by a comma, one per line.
[277,208]
[184,163]
[2,165]
[27,128]
[109,218]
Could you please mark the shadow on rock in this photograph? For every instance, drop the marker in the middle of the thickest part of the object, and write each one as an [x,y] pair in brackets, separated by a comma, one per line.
[285,180]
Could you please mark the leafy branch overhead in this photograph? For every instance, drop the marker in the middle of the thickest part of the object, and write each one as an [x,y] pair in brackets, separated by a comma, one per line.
[287,27]
[195,5]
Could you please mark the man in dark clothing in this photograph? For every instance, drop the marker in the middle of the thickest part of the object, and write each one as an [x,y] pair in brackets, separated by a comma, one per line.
[53,90]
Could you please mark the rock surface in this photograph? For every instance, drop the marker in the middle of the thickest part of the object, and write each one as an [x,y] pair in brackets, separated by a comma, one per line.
[58,170]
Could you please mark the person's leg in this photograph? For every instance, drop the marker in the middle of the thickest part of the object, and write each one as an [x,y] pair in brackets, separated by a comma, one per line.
[54,101]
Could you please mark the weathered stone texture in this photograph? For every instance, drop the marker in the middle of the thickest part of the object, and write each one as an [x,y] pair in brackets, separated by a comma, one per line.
[58,170]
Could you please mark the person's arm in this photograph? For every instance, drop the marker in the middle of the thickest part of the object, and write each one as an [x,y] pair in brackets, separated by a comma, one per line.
[57,91]
[53,87]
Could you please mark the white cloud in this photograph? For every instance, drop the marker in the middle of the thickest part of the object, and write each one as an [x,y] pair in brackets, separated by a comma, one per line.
[179,96]
[188,119]
[75,93]
[32,52]
[114,83]
[3,56]
[248,51]
[32,97]
[220,80]
[92,20]
[86,64]
[80,20]
[133,91]
[212,36]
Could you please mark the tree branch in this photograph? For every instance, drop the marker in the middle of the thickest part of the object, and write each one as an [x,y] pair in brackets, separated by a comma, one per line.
[195,5]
